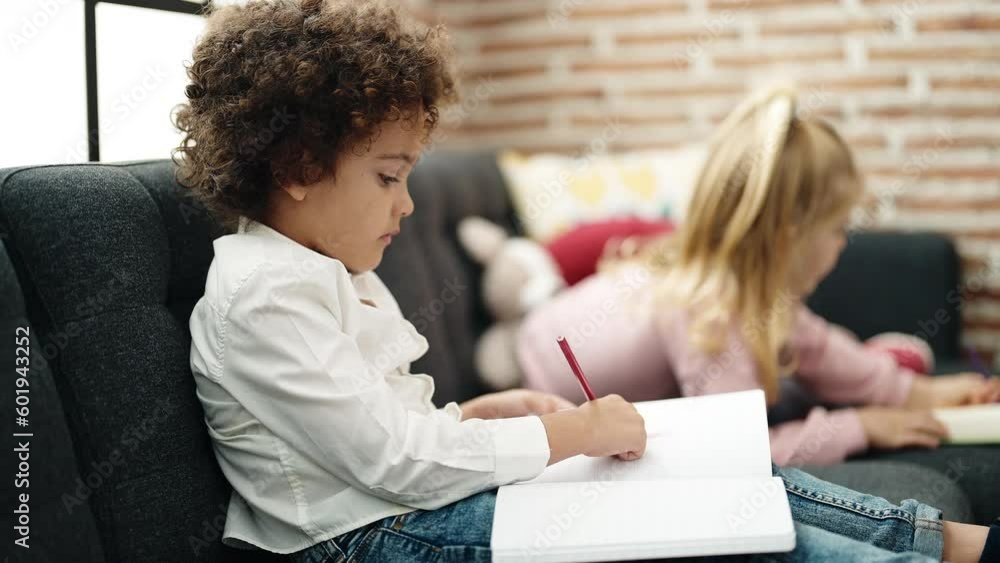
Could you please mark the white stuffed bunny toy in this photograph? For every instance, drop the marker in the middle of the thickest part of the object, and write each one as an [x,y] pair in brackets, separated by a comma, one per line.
[518,275]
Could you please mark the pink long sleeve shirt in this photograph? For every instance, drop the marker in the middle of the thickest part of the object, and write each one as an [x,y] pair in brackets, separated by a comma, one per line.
[648,357]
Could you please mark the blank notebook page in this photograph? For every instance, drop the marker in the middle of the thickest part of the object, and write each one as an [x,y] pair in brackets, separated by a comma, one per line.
[974,424]
[712,436]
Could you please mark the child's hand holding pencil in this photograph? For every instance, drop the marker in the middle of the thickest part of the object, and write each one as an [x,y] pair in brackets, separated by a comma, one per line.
[615,426]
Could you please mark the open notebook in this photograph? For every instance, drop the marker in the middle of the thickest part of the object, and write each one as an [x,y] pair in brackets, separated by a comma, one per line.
[704,487]
[978,424]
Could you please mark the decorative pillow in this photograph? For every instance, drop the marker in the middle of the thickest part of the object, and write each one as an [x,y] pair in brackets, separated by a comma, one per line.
[578,250]
[553,193]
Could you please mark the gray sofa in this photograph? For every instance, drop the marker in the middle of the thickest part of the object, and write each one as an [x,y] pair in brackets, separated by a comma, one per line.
[104,263]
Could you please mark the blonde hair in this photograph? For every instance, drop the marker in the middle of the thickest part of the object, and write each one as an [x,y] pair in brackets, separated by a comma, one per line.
[769,180]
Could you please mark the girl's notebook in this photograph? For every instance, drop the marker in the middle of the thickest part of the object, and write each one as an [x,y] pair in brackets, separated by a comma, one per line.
[977,424]
[704,487]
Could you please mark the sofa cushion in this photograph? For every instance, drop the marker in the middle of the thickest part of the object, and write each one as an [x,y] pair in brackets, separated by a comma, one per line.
[896,481]
[115,257]
[61,527]
[95,247]
[901,282]
[975,470]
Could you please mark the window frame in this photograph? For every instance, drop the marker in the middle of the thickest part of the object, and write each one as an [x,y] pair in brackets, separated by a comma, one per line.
[90,54]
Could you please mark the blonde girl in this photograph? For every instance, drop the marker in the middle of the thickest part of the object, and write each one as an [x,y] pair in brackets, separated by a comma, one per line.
[723,299]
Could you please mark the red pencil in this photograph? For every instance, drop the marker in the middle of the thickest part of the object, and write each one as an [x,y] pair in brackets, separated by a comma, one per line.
[575,366]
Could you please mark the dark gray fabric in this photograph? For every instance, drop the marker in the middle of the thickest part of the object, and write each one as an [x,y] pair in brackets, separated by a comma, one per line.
[94,247]
[973,469]
[902,282]
[61,525]
[896,481]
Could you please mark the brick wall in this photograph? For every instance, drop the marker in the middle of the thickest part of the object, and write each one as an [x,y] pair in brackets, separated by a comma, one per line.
[913,84]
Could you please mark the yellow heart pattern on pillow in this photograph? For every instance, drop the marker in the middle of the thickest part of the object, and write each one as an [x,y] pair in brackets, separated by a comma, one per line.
[553,193]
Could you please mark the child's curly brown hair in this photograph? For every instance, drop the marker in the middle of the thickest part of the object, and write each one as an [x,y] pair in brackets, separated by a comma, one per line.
[281,88]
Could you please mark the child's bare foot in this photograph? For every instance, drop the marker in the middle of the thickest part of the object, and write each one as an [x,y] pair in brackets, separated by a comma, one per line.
[964,542]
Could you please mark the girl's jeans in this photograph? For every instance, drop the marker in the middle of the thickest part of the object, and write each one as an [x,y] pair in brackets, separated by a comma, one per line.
[832,523]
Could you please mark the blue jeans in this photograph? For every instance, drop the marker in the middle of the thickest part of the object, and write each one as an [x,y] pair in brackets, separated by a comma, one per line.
[832,524]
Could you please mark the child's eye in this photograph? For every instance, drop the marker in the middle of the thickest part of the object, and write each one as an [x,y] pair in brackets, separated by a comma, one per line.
[386,180]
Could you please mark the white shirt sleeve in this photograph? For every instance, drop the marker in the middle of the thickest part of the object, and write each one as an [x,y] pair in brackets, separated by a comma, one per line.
[289,362]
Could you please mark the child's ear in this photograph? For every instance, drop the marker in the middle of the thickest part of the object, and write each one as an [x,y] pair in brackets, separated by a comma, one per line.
[296,191]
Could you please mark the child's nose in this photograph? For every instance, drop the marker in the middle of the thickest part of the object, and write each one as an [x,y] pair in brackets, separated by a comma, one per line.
[405,203]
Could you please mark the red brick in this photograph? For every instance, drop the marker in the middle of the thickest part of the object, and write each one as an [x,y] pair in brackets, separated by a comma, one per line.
[959,23]
[558,148]
[699,90]
[984,294]
[982,324]
[764,4]
[973,263]
[829,113]
[933,53]
[898,2]
[554,95]
[778,57]
[965,83]
[679,62]
[827,28]
[505,72]
[628,120]
[660,37]
[547,43]
[852,83]
[955,142]
[979,172]
[501,125]
[493,20]
[948,204]
[598,11]
[904,111]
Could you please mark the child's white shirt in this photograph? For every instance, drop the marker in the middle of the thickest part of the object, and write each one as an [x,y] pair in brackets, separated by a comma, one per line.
[314,417]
